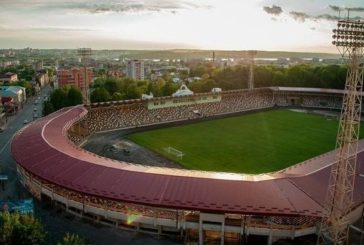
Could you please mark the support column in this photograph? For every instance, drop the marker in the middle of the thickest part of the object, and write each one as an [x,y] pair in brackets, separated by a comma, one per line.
[270,238]
[138,227]
[222,233]
[159,231]
[200,233]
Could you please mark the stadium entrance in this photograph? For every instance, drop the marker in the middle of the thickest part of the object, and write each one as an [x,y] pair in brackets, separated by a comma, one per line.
[294,101]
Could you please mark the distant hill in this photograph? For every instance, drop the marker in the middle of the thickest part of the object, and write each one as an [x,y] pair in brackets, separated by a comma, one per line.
[200,54]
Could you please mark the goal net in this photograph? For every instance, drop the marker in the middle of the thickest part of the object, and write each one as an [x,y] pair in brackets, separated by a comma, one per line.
[174,151]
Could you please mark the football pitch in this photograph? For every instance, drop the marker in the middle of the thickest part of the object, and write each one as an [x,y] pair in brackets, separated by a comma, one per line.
[254,143]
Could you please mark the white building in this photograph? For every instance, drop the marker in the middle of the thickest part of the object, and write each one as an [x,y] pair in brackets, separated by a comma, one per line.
[147,96]
[182,91]
[16,92]
[135,69]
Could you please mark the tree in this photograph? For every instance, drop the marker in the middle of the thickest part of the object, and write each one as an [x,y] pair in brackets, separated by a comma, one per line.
[231,77]
[101,72]
[74,97]
[279,78]
[132,92]
[26,72]
[142,86]
[72,239]
[28,232]
[112,85]
[51,72]
[168,89]
[7,222]
[157,88]
[20,229]
[47,108]
[150,88]
[100,95]
[125,83]
[263,76]
[99,82]
[59,98]
[28,87]
[117,96]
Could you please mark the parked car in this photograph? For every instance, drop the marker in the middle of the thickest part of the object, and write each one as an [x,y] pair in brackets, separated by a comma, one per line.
[25,121]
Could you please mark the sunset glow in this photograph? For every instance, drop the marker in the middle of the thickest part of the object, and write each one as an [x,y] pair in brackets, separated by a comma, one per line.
[166,24]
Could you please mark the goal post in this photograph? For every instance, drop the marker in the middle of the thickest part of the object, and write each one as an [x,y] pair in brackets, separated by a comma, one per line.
[175,152]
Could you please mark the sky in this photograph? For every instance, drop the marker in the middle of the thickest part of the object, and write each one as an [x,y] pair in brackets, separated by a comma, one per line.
[286,25]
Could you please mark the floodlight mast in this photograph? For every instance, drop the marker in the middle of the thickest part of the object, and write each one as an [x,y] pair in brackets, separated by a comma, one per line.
[251,55]
[349,39]
[85,54]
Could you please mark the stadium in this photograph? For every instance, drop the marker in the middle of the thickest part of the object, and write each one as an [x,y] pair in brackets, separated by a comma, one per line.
[198,206]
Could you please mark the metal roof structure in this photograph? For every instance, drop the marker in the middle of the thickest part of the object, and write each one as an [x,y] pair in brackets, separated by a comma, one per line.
[308,90]
[44,149]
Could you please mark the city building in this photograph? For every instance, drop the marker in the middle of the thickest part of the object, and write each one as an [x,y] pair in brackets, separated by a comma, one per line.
[7,63]
[41,77]
[38,65]
[135,69]
[75,77]
[8,77]
[114,73]
[16,93]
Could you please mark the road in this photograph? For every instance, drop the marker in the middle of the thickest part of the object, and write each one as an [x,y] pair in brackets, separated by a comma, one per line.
[14,123]
[57,223]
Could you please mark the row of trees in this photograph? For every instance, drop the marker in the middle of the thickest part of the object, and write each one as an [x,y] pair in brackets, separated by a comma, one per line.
[16,229]
[62,97]
[331,76]
[106,89]
[20,229]
[227,78]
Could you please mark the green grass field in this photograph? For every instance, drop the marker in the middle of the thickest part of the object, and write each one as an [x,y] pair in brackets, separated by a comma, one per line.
[254,143]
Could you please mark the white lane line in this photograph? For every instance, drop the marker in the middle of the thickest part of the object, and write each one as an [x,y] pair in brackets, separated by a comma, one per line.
[2,149]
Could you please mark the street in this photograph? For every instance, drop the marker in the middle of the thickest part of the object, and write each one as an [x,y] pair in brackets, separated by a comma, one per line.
[15,122]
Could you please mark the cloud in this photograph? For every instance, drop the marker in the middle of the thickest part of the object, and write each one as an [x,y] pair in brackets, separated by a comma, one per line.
[327,17]
[335,8]
[357,9]
[105,6]
[354,9]
[274,10]
[46,29]
[302,17]
[123,6]
[299,16]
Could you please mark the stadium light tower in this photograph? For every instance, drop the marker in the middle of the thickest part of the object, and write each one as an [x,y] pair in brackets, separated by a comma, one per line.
[349,39]
[85,54]
[251,56]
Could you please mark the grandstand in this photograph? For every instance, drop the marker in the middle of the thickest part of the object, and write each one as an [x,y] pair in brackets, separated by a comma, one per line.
[199,206]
